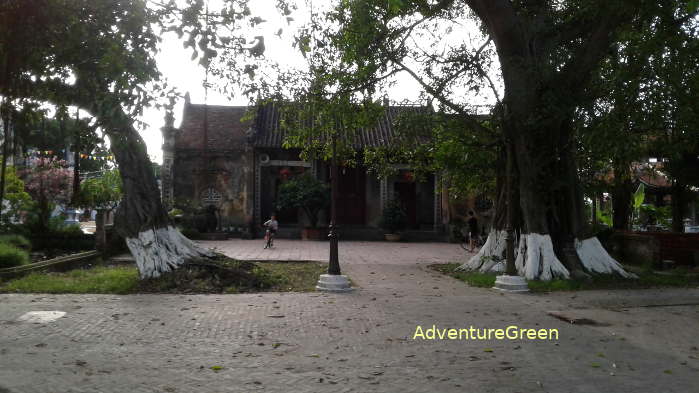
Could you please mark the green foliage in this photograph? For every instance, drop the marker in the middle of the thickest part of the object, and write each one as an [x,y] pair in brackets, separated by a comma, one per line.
[305,192]
[429,142]
[606,217]
[15,240]
[58,235]
[17,200]
[11,256]
[642,101]
[175,213]
[653,215]
[102,192]
[394,218]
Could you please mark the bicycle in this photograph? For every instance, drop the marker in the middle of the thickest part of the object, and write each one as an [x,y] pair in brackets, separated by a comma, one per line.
[464,241]
[269,238]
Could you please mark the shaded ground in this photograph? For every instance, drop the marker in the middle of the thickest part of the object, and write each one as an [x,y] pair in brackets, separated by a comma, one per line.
[358,342]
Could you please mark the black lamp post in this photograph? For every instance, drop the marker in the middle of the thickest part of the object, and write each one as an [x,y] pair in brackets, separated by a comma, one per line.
[334,281]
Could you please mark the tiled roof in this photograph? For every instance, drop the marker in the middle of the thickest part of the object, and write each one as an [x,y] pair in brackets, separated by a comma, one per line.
[655,180]
[268,134]
[224,130]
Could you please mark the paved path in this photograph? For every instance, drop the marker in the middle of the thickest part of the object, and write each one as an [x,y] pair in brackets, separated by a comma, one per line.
[357,342]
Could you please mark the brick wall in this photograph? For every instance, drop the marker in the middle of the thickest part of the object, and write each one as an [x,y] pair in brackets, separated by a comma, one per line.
[679,247]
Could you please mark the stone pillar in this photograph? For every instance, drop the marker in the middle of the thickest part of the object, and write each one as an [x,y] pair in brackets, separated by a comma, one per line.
[383,192]
[166,174]
[437,203]
[258,190]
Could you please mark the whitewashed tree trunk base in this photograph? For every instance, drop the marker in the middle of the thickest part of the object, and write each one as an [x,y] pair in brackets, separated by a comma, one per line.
[491,257]
[596,259]
[161,250]
[536,259]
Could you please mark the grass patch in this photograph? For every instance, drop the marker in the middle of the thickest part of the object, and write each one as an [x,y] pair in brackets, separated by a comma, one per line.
[474,279]
[646,279]
[294,276]
[117,280]
[254,277]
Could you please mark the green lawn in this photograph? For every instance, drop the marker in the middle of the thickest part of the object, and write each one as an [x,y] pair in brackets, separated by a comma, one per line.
[646,279]
[118,280]
[277,276]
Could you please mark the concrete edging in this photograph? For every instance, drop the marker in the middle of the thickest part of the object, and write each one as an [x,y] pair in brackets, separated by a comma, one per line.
[19,270]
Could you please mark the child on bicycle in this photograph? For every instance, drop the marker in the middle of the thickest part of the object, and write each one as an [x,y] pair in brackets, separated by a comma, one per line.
[272,226]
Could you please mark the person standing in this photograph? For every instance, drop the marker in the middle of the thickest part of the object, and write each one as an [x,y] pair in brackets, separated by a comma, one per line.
[472,230]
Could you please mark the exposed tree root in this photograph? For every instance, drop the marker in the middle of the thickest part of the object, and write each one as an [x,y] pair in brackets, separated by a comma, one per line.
[536,260]
[214,275]
[491,256]
[596,259]
[162,250]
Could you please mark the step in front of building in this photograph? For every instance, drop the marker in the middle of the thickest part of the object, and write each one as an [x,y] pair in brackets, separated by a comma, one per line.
[367,234]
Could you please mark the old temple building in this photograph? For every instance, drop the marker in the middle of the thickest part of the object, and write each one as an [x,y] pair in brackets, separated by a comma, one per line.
[231,159]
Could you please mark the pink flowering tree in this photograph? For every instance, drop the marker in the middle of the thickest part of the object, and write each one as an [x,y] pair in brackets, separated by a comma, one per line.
[49,182]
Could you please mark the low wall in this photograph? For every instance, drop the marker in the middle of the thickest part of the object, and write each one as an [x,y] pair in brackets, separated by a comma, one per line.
[641,248]
[683,248]
[634,248]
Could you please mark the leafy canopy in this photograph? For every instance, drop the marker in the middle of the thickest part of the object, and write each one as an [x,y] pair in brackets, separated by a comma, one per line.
[305,192]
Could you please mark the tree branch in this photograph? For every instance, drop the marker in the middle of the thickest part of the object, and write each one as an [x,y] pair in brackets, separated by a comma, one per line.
[578,71]
[470,119]
[503,24]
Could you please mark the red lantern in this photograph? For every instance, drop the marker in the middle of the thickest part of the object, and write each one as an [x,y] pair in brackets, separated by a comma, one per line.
[284,173]
[408,176]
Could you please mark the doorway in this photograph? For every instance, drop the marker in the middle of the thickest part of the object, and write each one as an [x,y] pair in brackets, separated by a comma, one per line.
[406,193]
[351,198]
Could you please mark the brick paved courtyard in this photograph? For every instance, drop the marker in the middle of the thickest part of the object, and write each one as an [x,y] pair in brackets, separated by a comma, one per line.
[646,341]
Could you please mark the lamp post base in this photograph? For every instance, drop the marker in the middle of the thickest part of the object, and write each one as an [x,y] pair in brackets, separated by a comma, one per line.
[507,283]
[333,283]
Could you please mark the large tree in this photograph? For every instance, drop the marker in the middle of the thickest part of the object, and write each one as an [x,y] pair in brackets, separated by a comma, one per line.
[547,53]
[98,56]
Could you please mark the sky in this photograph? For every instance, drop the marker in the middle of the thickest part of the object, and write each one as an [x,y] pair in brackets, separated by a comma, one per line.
[188,76]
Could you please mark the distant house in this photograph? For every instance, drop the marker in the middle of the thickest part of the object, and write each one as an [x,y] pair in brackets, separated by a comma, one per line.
[216,159]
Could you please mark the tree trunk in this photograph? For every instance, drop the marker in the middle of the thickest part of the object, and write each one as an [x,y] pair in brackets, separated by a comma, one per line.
[491,257]
[76,159]
[551,228]
[547,206]
[538,105]
[3,165]
[622,191]
[100,232]
[141,219]
[678,206]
